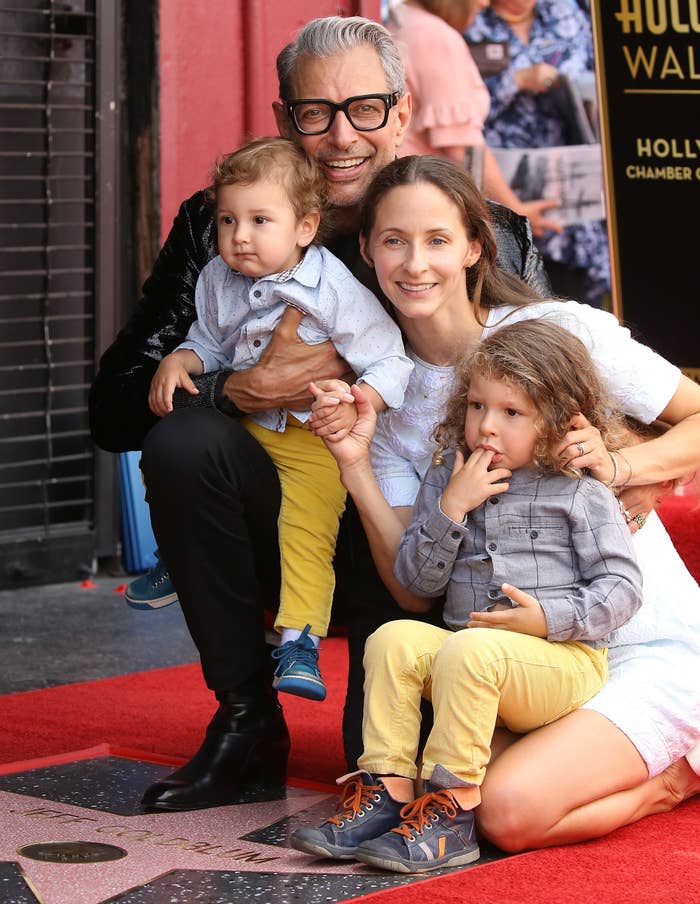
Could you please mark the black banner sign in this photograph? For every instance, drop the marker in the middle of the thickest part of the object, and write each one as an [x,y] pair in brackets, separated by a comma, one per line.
[648,65]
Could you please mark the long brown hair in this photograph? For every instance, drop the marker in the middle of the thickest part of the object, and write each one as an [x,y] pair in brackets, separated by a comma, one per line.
[553,368]
[487,284]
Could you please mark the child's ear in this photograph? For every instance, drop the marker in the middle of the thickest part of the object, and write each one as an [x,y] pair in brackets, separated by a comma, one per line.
[365,252]
[307,227]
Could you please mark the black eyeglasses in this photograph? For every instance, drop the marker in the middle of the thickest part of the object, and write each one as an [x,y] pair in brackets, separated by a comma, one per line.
[365,112]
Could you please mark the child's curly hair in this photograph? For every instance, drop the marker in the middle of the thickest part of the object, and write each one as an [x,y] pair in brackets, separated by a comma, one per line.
[554,368]
[276,159]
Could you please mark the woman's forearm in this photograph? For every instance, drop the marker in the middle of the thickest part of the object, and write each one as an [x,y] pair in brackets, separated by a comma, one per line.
[674,454]
[384,527]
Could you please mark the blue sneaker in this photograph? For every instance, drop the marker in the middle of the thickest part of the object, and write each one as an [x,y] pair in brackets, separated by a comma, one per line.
[298,672]
[152,590]
[365,810]
[434,833]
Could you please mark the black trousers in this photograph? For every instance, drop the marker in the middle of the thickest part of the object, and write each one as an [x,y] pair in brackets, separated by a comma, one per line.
[214,498]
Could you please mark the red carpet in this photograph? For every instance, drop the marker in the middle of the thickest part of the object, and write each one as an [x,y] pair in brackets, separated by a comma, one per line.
[655,861]
[164,712]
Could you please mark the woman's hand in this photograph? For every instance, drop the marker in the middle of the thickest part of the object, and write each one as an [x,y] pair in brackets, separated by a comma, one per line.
[636,502]
[536,212]
[353,450]
[333,411]
[583,447]
[537,78]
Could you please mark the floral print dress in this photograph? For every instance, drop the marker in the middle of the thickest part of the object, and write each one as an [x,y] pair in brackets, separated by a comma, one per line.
[561,36]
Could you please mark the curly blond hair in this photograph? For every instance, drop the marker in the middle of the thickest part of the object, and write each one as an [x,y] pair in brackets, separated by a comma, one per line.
[554,369]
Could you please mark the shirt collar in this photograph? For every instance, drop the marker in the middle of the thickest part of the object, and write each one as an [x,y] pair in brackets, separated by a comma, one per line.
[307,271]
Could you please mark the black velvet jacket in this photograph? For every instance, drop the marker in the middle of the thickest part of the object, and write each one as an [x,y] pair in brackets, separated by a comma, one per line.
[118,401]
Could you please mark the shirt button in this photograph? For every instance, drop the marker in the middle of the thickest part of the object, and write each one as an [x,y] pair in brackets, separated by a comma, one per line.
[493,500]
[455,535]
[257,293]
[534,534]
[493,594]
[492,547]
[256,343]
[441,565]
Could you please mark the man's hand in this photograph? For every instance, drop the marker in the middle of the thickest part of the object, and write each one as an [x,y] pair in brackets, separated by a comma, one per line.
[472,483]
[527,618]
[281,377]
[333,412]
[170,375]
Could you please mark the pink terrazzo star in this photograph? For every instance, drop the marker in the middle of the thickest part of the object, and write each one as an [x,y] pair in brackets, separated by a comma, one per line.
[155,843]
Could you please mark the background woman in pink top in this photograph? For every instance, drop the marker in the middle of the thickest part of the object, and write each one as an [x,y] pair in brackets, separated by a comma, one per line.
[450,99]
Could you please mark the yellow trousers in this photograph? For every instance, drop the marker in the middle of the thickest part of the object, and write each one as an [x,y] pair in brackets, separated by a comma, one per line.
[476,678]
[313,499]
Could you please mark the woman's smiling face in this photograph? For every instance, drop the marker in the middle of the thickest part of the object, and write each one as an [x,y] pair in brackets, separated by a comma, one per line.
[420,250]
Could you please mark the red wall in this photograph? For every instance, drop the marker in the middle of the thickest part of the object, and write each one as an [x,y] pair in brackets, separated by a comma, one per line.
[208,53]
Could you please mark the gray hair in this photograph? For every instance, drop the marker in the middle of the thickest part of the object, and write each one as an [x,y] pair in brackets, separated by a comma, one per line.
[333,35]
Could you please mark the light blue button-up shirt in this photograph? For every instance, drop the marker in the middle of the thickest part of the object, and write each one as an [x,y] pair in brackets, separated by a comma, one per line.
[237,314]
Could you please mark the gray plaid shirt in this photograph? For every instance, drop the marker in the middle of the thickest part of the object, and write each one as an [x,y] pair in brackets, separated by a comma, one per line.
[562,540]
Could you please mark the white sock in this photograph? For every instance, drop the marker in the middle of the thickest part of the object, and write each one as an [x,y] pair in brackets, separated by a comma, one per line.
[293,634]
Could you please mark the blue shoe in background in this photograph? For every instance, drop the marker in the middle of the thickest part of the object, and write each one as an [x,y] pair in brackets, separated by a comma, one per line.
[152,590]
[298,672]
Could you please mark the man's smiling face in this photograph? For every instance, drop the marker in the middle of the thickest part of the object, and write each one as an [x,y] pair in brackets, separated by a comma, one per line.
[348,158]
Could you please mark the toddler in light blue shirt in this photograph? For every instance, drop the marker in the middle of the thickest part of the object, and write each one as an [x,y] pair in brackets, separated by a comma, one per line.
[269,198]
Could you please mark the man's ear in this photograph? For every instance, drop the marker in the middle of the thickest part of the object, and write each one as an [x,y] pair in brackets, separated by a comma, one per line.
[404,108]
[364,251]
[281,119]
[307,227]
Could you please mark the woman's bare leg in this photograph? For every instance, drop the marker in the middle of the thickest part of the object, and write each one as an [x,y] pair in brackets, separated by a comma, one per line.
[577,778]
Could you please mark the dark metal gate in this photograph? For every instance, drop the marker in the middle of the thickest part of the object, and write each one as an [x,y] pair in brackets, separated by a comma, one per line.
[50,101]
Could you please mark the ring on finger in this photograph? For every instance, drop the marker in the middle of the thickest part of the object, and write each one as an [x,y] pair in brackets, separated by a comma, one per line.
[640,519]
[581,449]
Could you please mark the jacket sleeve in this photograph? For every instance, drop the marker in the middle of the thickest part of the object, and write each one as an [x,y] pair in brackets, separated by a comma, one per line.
[611,585]
[118,406]
[429,547]
[516,250]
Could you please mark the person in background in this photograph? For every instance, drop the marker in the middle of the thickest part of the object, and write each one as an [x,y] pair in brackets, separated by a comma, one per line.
[450,99]
[268,198]
[544,38]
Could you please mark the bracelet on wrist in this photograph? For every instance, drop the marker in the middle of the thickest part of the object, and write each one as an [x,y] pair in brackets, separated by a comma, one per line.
[611,483]
[629,470]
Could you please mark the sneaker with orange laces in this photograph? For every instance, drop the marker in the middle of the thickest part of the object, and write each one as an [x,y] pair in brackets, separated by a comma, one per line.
[365,810]
[434,832]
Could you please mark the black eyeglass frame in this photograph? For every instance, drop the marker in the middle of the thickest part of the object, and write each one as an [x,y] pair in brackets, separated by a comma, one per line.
[390,100]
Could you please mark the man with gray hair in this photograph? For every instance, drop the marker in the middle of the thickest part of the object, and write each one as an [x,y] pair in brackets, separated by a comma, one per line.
[213,492]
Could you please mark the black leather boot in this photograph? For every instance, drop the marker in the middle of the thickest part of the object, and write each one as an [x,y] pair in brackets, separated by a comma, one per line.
[245,749]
